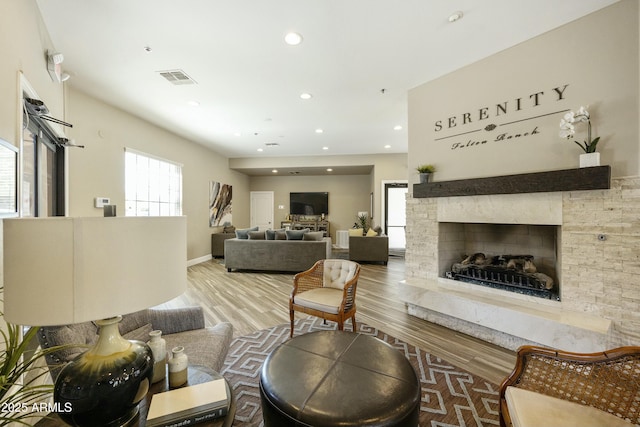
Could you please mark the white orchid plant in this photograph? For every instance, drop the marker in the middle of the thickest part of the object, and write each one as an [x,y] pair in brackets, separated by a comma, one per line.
[568,130]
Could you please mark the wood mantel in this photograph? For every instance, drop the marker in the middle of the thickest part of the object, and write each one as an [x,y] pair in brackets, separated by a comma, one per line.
[593,178]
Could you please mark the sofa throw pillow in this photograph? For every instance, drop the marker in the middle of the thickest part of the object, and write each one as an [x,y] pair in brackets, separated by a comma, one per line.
[355,232]
[244,232]
[281,235]
[296,234]
[140,334]
[371,232]
[313,236]
[256,235]
[271,234]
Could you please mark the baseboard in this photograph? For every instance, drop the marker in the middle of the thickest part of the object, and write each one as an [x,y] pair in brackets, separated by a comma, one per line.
[198,260]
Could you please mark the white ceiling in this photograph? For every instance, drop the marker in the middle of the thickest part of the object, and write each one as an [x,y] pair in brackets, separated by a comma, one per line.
[249,81]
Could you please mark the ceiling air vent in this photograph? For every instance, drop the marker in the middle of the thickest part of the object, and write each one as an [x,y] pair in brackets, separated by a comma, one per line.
[177,77]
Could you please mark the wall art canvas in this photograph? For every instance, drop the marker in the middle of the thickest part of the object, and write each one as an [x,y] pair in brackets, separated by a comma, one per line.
[219,204]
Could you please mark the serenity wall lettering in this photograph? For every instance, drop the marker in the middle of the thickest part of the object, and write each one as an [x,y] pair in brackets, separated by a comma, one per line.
[465,125]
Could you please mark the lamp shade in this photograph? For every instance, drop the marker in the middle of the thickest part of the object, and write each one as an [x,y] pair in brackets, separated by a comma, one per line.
[59,271]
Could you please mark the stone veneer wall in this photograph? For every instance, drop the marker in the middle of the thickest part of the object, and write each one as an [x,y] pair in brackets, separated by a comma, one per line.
[599,276]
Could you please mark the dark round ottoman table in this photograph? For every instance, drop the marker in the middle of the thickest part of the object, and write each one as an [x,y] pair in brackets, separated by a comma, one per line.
[336,378]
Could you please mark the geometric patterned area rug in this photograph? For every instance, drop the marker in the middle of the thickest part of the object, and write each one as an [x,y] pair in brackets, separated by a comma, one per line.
[450,395]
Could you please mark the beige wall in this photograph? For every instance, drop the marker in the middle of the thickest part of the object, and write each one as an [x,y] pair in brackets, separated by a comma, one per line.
[596,56]
[23,43]
[601,69]
[348,194]
[98,169]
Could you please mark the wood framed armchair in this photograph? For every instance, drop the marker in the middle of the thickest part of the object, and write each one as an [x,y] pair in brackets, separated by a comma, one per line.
[327,290]
[554,387]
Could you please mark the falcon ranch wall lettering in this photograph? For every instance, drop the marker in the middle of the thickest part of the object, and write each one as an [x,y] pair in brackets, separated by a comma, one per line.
[506,137]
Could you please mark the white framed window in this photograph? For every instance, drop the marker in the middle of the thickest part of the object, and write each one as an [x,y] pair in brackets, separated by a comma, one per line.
[153,186]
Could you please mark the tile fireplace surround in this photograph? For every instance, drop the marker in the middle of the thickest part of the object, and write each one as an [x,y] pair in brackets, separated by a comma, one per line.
[598,267]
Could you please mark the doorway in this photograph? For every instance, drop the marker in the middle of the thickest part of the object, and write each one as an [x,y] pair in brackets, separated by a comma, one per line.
[395,218]
[262,209]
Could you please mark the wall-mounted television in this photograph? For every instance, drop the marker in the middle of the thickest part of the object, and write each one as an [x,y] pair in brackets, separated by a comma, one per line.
[309,203]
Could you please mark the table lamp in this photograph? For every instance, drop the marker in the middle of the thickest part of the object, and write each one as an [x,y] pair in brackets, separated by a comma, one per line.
[59,271]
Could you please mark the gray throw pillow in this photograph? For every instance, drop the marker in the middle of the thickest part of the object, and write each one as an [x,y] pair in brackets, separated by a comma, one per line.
[296,234]
[313,236]
[271,234]
[281,235]
[256,235]
[140,334]
[244,233]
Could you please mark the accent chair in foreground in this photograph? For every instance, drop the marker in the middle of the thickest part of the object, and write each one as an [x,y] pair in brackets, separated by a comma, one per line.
[560,388]
[327,290]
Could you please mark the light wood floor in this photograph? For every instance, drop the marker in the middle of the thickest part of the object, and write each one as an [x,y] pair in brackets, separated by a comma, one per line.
[254,301]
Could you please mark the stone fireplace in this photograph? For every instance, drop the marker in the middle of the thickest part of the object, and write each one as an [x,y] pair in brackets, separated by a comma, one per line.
[588,241]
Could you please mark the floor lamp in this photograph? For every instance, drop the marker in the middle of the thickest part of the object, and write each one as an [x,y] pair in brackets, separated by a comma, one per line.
[60,271]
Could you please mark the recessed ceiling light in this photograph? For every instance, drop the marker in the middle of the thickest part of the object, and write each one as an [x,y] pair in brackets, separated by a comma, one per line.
[329,170]
[397,127]
[455,16]
[306,96]
[260,150]
[194,103]
[319,131]
[293,39]
[275,171]
[237,134]
[387,146]
[148,49]
[325,148]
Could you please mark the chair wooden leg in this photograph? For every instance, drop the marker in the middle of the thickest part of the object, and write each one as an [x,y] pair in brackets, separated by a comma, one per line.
[291,316]
[340,325]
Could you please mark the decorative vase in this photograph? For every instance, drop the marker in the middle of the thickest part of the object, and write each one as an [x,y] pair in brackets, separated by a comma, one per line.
[158,347]
[425,177]
[178,365]
[103,386]
[589,160]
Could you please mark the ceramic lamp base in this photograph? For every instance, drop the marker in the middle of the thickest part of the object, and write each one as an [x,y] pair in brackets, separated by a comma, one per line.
[103,386]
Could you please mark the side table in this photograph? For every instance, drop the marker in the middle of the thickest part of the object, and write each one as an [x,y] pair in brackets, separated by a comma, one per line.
[197,375]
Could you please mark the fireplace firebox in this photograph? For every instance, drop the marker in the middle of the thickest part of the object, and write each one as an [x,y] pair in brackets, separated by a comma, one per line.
[519,258]
[514,273]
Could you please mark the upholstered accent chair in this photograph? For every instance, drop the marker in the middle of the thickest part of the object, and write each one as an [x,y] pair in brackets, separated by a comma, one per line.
[553,387]
[206,346]
[369,248]
[327,290]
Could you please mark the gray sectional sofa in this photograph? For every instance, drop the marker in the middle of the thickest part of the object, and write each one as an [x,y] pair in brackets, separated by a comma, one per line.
[274,255]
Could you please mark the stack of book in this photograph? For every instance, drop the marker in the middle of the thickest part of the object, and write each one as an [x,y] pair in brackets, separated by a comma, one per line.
[189,405]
